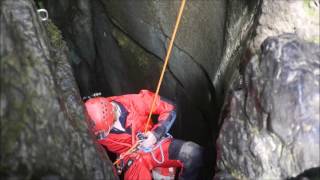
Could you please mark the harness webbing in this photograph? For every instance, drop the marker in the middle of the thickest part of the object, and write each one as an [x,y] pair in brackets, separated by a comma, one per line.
[131,150]
[166,61]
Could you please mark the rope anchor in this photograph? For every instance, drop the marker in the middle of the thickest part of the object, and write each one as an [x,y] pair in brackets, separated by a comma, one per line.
[43,14]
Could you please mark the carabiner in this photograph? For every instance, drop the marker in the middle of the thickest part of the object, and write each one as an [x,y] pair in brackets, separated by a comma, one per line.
[43,14]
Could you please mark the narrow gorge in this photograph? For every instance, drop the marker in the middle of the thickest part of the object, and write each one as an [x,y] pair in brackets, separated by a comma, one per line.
[244,76]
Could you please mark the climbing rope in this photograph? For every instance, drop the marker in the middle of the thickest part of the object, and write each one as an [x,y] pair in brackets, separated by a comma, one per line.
[166,61]
[131,150]
[159,145]
[136,144]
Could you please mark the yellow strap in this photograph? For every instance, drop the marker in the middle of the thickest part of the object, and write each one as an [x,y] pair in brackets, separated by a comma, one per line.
[166,61]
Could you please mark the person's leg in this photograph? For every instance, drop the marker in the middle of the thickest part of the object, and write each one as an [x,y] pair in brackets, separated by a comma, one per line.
[143,163]
[137,171]
[190,154]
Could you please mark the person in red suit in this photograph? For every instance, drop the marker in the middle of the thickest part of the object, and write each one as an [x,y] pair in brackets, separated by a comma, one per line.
[119,123]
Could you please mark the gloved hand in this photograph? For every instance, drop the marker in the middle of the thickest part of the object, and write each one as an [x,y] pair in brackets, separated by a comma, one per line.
[149,141]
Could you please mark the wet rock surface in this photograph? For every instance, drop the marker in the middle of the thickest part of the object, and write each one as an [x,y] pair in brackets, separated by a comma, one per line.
[271,118]
[300,17]
[44,133]
[241,21]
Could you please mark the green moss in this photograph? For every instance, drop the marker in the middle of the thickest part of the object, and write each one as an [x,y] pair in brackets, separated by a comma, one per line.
[309,9]
[237,175]
[54,35]
[15,124]
[40,3]
[143,67]
[122,40]
[140,56]
[255,131]
[315,39]
[16,90]
[4,169]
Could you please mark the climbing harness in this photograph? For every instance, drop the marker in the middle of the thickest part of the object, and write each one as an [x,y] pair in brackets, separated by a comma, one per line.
[137,147]
[43,14]
[159,145]
[162,156]
[119,164]
[134,148]
[166,61]
[151,150]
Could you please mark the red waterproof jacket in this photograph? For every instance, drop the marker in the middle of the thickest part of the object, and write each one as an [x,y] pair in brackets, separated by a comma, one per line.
[135,109]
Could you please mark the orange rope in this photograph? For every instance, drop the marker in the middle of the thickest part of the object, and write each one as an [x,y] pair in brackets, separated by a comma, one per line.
[126,153]
[160,80]
[166,61]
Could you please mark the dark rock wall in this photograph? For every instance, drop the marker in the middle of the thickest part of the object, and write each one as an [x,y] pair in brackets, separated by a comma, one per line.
[238,155]
[240,25]
[271,117]
[94,56]
[44,134]
[150,23]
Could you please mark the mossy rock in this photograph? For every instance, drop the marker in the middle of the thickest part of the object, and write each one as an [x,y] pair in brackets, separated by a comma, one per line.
[311,7]
[54,35]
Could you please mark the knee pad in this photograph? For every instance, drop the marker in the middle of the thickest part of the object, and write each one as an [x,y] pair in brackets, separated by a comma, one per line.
[190,154]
